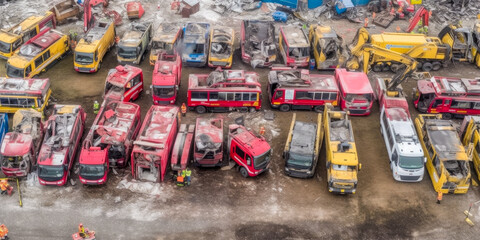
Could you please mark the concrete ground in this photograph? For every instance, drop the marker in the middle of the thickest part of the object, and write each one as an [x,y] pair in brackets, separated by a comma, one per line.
[221,203]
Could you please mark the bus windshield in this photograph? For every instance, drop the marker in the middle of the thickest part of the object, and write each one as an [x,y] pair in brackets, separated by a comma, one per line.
[50,173]
[83,57]
[92,172]
[299,160]
[14,72]
[298,52]
[5,47]
[411,162]
[127,52]
[162,45]
[164,91]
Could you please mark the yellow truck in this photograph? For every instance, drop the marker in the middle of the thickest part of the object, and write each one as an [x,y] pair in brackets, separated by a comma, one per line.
[429,52]
[12,38]
[134,43]
[221,47]
[470,136]
[303,147]
[165,40]
[91,49]
[342,160]
[327,47]
[447,161]
[38,54]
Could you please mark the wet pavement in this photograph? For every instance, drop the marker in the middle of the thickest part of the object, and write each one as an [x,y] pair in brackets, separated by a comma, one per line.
[220,204]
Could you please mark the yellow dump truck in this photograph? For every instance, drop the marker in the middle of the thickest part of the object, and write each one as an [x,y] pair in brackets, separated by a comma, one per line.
[470,136]
[430,52]
[342,159]
[91,49]
[327,47]
[12,38]
[447,161]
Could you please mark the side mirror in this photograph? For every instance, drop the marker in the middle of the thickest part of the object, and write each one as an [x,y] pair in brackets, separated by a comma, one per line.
[328,165]
[176,87]
[359,166]
[424,160]
[151,86]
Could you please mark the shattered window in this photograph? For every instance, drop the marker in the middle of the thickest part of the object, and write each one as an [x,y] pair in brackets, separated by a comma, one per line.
[238,96]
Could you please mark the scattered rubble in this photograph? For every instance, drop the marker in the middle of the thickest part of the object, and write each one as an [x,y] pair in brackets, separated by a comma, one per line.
[448,11]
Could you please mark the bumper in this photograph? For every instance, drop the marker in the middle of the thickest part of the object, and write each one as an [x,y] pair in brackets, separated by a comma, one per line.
[341,190]
[358,112]
[85,70]
[54,183]
[14,173]
[93,182]
[194,64]
[291,172]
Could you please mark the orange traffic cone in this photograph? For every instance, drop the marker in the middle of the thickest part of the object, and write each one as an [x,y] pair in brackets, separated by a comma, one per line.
[366,23]
[262,131]
[184,109]
[398,29]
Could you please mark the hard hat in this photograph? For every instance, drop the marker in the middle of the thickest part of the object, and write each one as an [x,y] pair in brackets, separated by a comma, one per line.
[81,225]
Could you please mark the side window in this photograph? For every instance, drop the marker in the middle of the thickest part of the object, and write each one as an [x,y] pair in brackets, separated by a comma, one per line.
[13,102]
[278,94]
[303,95]
[395,156]
[29,34]
[199,96]
[46,55]
[230,96]
[17,44]
[38,62]
[31,102]
[249,160]
[318,95]
[246,97]
[318,47]
[238,96]
[4,101]
[437,102]
[253,96]
[222,96]
[476,105]
[284,44]
[333,96]
[461,104]
[213,96]
[437,165]
[240,152]
[28,70]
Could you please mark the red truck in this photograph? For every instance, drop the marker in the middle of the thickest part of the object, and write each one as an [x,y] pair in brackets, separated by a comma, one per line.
[250,152]
[208,148]
[166,78]
[109,141]
[152,148]
[20,147]
[63,133]
[356,93]
[182,147]
[124,83]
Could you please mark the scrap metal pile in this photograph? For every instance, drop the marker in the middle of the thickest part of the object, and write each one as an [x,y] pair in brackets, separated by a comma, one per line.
[447,11]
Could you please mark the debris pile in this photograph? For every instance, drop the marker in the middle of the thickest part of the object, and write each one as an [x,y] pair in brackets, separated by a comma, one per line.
[447,11]
[238,6]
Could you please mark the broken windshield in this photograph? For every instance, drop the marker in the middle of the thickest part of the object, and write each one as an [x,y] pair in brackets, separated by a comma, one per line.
[127,52]
[221,49]
[113,88]
[261,160]
[83,57]
[358,97]
[298,52]
[164,91]
[14,72]
[346,168]
[5,47]
[158,45]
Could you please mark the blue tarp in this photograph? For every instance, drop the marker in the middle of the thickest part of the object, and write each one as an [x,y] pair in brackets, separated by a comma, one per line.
[288,3]
[360,2]
[314,3]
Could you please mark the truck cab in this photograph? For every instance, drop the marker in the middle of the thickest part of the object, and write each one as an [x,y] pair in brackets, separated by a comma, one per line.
[134,43]
[251,153]
[327,47]
[208,146]
[166,79]
[303,147]
[124,83]
[356,93]
[20,147]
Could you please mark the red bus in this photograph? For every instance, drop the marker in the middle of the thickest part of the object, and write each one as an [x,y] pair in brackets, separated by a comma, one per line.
[224,90]
[294,46]
[449,96]
[356,93]
[298,89]
[124,83]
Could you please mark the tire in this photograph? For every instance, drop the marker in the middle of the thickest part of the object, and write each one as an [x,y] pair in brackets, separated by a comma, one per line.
[243,172]
[284,108]
[447,116]
[243,109]
[436,66]
[377,67]
[427,67]
[395,67]
[200,109]
[318,108]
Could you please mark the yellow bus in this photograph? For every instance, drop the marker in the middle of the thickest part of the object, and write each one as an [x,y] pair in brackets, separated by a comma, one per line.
[470,135]
[165,40]
[91,49]
[221,47]
[38,54]
[18,93]
[12,38]
[447,161]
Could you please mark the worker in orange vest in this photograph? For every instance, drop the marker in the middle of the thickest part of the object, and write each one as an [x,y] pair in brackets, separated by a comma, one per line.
[3,232]
[5,187]
[184,109]
[81,230]
[439,197]
[262,131]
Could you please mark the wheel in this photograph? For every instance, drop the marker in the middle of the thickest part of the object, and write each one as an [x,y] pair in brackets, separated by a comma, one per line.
[252,109]
[447,115]
[244,172]
[377,67]
[395,67]
[284,108]
[243,109]
[427,67]
[436,66]
[200,109]
[318,108]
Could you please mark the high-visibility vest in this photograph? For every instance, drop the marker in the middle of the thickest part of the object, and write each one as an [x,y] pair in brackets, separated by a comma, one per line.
[188,173]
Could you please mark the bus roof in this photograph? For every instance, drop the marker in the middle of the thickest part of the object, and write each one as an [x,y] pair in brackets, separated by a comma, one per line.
[325,32]
[11,34]
[222,34]
[456,86]
[302,79]
[295,36]
[196,33]
[156,127]
[121,75]
[19,86]
[164,76]
[303,138]
[354,82]
[91,40]
[444,137]
[167,32]
[231,79]
[35,46]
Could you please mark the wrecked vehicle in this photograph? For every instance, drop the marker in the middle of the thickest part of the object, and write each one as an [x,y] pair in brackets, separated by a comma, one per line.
[258,43]
[470,135]
[447,160]
[165,40]
[109,141]
[133,45]
[221,47]
[208,147]
[20,94]
[224,90]
[356,93]
[20,147]
[342,159]
[298,89]
[182,148]
[302,148]
[196,42]
[63,133]
[251,152]
[294,46]
[12,38]
[123,83]
[152,148]
[327,47]
[166,79]
[3,125]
